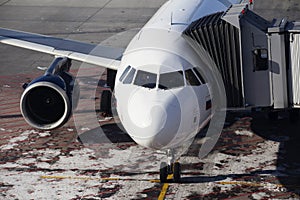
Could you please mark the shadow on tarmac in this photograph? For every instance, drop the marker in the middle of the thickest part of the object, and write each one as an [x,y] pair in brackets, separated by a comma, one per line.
[288,159]
[10,116]
[106,133]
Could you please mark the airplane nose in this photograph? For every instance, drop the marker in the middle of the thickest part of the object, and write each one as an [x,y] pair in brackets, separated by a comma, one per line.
[154,119]
[144,113]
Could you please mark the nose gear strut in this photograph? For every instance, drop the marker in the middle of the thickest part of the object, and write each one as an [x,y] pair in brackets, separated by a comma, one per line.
[171,168]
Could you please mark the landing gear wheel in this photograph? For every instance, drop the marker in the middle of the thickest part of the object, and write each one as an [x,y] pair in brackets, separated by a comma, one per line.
[163,172]
[176,172]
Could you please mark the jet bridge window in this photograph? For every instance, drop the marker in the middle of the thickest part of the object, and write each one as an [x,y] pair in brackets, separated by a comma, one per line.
[191,78]
[171,80]
[145,79]
[260,57]
[129,77]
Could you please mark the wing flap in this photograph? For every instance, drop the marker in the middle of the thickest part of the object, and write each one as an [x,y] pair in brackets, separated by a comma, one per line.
[93,54]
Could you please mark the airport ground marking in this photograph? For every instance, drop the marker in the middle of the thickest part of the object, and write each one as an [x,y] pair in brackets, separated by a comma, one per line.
[165,188]
[87,178]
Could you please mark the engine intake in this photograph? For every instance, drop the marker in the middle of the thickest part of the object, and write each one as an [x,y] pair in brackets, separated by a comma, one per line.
[47,101]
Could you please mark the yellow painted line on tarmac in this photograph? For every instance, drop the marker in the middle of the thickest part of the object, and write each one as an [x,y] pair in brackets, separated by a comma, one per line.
[69,177]
[164,189]
[86,178]
[161,196]
[249,184]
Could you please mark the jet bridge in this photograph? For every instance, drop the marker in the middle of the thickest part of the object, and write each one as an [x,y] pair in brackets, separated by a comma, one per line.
[259,60]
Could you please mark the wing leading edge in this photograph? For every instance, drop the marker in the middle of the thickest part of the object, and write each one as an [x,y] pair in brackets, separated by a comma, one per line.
[89,53]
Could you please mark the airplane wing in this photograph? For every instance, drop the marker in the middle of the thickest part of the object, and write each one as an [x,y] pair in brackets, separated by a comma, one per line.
[89,53]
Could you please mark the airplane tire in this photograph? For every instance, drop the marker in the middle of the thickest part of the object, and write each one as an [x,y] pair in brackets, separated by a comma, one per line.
[177,172]
[163,172]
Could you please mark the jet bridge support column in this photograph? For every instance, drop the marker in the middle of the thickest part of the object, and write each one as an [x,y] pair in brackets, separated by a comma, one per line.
[278,64]
[293,39]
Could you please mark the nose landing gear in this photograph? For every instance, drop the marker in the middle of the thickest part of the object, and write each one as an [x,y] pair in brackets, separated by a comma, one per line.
[172,170]
[168,172]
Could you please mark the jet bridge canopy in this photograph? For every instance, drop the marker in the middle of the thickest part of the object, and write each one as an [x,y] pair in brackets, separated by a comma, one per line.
[221,40]
[259,60]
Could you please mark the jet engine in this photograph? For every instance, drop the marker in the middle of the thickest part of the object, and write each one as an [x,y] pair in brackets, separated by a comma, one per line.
[47,101]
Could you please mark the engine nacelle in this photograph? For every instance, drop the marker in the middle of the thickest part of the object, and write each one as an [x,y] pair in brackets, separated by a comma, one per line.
[47,101]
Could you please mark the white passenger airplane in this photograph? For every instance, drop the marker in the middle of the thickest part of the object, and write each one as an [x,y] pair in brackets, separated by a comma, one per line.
[161,89]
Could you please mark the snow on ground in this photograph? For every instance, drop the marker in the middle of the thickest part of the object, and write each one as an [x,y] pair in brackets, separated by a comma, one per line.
[67,177]
[45,165]
[52,174]
[262,158]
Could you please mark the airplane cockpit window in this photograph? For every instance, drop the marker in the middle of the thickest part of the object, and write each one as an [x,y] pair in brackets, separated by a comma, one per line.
[145,79]
[199,75]
[129,77]
[124,73]
[171,80]
[191,78]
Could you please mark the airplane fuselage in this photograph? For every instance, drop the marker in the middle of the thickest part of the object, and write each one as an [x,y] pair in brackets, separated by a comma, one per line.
[162,98]
[166,86]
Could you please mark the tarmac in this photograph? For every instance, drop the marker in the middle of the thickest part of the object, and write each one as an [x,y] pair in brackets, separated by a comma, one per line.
[255,158]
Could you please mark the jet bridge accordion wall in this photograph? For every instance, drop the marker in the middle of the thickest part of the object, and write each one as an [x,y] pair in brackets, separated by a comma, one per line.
[222,41]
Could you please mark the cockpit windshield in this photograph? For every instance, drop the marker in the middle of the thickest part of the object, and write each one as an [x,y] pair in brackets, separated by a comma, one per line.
[191,78]
[124,73]
[145,79]
[171,80]
[166,81]
[129,77]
